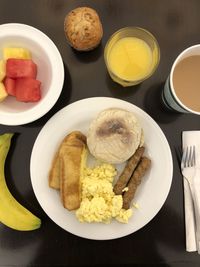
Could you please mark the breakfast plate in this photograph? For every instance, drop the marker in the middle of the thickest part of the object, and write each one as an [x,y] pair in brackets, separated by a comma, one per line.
[150,195]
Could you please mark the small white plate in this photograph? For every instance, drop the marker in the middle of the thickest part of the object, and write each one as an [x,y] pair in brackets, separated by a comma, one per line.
[150,195]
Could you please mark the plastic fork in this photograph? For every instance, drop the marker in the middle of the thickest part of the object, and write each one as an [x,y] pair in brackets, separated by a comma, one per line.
[192,174]
[189,157]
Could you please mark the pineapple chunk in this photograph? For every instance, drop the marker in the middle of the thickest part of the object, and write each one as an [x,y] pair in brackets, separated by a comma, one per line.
[16,52]
[3,93]
[2,70]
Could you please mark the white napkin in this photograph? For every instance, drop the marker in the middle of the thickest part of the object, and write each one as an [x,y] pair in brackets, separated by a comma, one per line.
[190,138]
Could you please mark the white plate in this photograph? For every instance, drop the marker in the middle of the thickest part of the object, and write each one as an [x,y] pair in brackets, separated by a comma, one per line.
[150,195]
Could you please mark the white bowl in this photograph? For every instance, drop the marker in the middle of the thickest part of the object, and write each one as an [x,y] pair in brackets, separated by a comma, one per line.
[50,72]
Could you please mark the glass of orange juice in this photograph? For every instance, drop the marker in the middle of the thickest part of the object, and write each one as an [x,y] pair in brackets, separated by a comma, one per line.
[132,54]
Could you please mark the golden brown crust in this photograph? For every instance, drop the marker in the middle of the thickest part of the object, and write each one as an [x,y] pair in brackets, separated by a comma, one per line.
[83,28]
[54,173]
[70,167]
[70,164]
[75,135]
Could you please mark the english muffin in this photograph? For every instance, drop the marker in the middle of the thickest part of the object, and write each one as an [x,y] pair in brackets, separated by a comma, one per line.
[114,135]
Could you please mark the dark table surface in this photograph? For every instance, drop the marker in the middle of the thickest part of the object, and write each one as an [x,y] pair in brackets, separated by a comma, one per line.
[176,25]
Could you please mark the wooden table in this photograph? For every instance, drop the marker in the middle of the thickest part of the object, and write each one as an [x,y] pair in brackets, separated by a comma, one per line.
[175,23]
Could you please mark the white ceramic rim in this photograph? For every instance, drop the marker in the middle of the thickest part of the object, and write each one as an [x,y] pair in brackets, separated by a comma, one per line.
[56,85]
[171,80]
[39,145]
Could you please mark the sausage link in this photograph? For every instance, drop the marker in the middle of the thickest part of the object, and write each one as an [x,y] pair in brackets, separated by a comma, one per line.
[135,181]
[128,171]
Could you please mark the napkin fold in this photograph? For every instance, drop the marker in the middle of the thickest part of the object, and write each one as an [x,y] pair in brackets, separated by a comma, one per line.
[190,138]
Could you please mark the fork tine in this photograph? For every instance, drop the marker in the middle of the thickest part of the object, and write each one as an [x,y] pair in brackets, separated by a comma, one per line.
[184,157]
[194,156]
[190,157]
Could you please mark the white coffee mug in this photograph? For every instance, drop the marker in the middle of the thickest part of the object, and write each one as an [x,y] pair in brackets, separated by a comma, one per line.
[169,95]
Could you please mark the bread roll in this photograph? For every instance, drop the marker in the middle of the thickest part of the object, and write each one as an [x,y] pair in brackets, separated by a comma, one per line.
[83,28]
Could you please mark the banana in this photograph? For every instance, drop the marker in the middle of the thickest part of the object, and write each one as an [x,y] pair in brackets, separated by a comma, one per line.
[12,213]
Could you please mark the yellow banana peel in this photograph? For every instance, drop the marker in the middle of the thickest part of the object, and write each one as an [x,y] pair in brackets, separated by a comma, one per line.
[12,213]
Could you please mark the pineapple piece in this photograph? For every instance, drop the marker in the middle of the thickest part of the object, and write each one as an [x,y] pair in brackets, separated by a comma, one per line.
[3,93]
[16,52]
[2,70]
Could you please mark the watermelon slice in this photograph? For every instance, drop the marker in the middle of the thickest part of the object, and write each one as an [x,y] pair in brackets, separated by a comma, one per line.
[20,68]
[10,86]
[28,90]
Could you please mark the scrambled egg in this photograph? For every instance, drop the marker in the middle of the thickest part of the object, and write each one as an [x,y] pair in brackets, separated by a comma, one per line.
[99,203]
[125,189]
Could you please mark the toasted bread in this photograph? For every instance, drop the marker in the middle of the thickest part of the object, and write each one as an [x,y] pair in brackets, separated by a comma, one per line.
[66,169]
[54,174]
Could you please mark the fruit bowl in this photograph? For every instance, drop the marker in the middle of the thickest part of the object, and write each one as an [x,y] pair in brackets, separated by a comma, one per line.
[50,71]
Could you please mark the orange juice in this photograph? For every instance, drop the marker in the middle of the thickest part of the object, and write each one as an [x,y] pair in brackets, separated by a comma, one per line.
[130,59]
